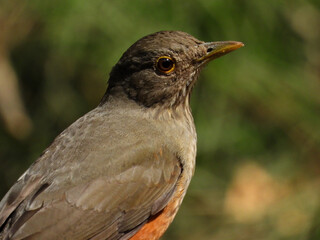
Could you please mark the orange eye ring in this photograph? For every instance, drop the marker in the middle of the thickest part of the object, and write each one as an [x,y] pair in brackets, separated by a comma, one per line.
[165,64]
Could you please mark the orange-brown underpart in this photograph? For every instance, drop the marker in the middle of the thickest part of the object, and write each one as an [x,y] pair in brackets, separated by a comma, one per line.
[159,223]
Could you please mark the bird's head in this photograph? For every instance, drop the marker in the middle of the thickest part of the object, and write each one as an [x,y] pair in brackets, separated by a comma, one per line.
[161,69]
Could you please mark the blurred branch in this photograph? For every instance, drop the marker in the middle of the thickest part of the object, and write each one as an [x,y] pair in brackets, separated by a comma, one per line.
[15,25]
[12,110]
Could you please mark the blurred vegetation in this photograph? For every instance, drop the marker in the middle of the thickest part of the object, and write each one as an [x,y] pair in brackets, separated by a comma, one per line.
[257,110]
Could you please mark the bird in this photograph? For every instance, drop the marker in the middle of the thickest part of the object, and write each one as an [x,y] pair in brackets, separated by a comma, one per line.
[122,170]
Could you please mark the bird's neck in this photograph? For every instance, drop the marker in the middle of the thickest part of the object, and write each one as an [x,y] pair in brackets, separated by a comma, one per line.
[117,96]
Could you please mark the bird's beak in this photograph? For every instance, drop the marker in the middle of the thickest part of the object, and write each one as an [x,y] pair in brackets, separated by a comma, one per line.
[218,49]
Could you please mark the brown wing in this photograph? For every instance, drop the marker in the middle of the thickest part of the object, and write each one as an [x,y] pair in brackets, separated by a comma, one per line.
[102,178]
[107,207]
[25,186]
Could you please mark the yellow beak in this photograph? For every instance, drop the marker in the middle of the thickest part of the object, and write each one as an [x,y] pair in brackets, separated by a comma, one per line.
[218,49]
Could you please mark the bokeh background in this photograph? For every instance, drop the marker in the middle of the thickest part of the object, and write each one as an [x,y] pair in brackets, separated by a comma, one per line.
[257,110]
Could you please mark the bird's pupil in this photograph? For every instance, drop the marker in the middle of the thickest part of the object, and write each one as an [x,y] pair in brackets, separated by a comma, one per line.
[166,63]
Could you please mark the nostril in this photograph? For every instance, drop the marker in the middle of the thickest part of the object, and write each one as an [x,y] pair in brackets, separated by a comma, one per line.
[209,50]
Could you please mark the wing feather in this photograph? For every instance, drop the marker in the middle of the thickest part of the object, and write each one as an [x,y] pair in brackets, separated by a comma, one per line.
[92,190]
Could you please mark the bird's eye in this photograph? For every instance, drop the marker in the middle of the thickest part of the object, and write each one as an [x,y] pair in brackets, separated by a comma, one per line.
[165,64]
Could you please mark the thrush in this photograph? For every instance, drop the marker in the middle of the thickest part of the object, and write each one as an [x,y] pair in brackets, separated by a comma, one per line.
[122,170]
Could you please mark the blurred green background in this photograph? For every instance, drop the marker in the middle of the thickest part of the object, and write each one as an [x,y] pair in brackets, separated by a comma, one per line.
[257,110]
